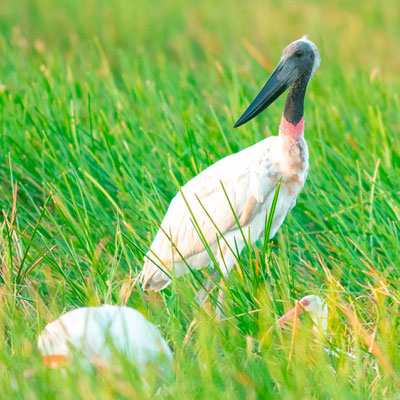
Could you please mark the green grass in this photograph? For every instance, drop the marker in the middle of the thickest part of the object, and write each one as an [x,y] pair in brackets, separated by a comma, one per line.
[106,105]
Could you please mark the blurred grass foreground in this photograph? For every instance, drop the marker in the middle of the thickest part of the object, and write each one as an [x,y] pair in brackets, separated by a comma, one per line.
[107,107]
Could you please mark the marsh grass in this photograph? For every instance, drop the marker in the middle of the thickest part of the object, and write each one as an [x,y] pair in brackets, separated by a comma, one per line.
[106,108]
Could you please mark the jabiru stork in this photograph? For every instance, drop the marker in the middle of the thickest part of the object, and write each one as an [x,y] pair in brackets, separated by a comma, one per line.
[201,211]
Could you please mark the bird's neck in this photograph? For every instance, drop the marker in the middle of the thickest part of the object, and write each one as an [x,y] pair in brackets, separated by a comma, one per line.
[292,123]
[288,130]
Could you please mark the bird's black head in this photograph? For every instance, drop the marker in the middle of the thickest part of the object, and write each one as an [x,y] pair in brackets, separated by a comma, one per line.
[300,59]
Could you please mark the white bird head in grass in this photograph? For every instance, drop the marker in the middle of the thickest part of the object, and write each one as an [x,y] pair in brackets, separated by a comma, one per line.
[314,306]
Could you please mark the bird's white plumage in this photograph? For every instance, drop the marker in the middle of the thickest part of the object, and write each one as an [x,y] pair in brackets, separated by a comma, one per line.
[317,309]
[200,214]
[250,178]
[98,332]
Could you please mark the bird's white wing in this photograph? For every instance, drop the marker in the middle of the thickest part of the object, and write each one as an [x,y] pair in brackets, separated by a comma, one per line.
[97,332]
[248,177]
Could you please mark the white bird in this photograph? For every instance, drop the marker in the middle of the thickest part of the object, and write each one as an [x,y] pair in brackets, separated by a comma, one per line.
[314,306]
[201,212]
[96,333]
[318,311]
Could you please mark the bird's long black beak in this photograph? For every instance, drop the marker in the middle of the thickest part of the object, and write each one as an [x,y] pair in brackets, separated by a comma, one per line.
[278,82]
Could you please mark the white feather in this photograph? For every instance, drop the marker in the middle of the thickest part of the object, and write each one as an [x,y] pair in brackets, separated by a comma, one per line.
[99,332]
[250,178]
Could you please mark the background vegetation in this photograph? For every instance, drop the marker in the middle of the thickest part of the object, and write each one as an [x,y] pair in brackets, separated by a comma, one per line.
[107,106]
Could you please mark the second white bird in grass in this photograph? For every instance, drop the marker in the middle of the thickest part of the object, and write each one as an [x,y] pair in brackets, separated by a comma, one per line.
[201,213]
[94,334]
[314,306]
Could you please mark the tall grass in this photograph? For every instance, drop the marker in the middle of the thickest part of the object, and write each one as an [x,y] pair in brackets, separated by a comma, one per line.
[106,107]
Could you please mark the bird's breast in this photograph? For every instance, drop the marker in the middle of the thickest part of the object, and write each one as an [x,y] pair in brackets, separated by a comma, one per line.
[290,160]
[287,160]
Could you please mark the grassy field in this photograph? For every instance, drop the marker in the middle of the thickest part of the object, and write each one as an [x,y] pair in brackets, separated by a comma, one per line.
[106,107]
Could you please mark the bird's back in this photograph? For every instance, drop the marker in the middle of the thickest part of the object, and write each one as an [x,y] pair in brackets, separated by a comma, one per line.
[99,332]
